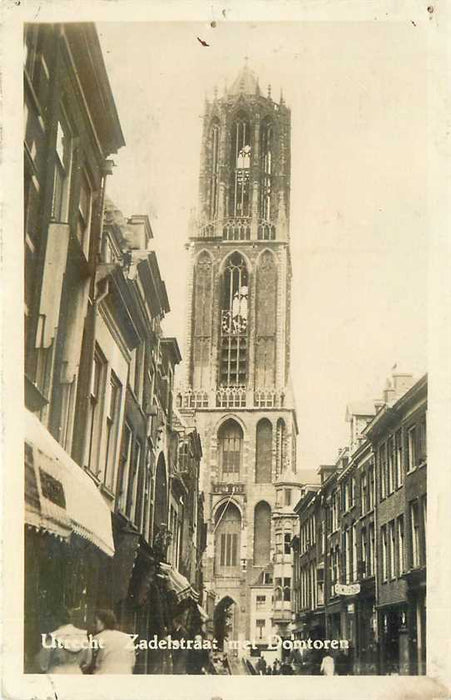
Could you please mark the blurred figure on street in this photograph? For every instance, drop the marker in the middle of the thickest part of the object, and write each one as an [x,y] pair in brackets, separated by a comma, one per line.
[115,654]
[327,665]
[66,649]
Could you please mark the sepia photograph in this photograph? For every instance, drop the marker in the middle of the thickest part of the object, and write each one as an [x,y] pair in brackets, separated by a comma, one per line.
[226,350]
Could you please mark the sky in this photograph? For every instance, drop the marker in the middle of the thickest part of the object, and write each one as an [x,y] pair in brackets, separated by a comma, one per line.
[359,239]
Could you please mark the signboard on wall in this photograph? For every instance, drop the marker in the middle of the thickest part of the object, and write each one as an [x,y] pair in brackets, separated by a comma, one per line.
[347,589]
[228,489]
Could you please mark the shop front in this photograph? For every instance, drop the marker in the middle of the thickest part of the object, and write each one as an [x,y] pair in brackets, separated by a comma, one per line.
[68,540]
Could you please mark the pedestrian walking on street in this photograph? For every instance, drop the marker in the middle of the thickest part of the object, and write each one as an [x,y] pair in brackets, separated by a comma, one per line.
[66,649]
[328,665]
[115,654]
[179,656]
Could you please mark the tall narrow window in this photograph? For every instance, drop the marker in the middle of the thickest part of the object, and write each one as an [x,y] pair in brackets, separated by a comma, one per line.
[132,486]
[63,162]
[95,408]
[411,455]
[363,492]
[383,470]
[214,171]
[262,533]
[371,549]
[263,466]
[287,543]
[234,323]
[398,458]
[371,488]
[161,493]
[124,466]
[392,533]
[400,533]
[423,527]
[241,163]
[84,212]
[227,538]
[390,465]
[266,321]
[385,562]
[414,534]
[266,182]
[230,440]
[281,447]
[202,304]
[112,423]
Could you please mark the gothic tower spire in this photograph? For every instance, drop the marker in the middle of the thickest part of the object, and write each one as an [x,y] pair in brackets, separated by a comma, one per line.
[238,345]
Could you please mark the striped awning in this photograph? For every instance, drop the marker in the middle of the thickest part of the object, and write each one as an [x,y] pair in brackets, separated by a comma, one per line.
[60,497]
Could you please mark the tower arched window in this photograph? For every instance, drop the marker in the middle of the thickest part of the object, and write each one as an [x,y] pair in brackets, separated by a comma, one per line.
[161,494]
[230,448]
[263,459]
[202,326]
[281,446]
[227,539]
[234,323]
[241,150]
[214,169]
[262,533]
[267,134]
[266,321]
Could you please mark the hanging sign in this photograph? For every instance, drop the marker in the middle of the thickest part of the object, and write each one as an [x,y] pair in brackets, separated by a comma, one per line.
[347,589]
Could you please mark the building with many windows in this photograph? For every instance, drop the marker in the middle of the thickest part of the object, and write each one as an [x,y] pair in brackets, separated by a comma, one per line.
[238,350]
[360,573]
[113,509]
[398,437]
[71,128]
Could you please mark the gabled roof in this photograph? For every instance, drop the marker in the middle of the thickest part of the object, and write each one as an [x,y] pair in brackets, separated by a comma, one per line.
[360,408]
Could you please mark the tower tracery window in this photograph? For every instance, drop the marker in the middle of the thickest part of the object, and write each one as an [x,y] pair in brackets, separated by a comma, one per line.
[230,441]
[234,323]
[202,304]
[262,533]
[266,232]
[241,163]
[227,538]
[214,170]
[263,452]
[281,446]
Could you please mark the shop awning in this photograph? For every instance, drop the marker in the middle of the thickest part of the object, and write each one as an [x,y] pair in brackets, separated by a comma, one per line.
[59,496]
[179,583]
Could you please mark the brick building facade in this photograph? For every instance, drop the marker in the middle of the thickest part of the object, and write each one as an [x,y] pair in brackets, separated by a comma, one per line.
[113,509]
[360,549]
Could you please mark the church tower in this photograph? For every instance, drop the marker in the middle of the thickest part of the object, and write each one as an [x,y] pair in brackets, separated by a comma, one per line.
[237,357]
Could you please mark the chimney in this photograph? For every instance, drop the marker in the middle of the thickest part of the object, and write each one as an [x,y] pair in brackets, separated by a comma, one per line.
[402,383]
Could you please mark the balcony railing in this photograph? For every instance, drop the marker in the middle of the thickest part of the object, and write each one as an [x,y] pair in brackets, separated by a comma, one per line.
[230,397]
[190,398]
[239,228]
[268,398]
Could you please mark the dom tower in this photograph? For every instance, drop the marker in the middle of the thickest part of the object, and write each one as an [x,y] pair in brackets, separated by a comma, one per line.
[237,385]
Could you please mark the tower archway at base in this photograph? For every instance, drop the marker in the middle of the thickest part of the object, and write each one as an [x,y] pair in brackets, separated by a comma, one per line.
[224,620]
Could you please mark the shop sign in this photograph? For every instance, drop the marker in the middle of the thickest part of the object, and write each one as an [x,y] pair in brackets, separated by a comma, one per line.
[347,589]
[228,489]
